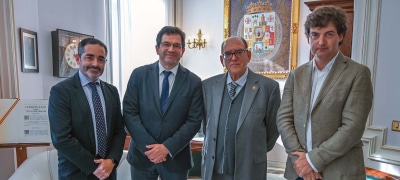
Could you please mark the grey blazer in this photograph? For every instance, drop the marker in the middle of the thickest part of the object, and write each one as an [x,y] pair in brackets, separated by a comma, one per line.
[175,128]
[72,130]
[338,118]
[256,131]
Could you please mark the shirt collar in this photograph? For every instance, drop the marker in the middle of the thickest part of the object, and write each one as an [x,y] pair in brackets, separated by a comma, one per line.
[241,81]
[328,66]
[85,80]
[174,70]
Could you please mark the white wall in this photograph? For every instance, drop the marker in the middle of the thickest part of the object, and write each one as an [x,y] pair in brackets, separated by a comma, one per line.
[44,16]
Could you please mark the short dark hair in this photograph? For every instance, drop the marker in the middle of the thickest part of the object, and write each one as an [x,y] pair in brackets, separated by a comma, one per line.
[170,30]
[323,15]
[241,38]
[84,42]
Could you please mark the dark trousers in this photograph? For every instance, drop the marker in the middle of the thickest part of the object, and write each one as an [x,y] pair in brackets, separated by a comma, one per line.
[157,170]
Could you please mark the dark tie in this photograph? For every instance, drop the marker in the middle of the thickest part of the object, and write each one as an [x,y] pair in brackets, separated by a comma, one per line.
[100,122]
[232,91]
[165,90]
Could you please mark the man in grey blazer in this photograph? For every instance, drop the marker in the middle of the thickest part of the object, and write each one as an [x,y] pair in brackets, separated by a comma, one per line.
[325,106]
[73,118]
[240,111]
[161,126]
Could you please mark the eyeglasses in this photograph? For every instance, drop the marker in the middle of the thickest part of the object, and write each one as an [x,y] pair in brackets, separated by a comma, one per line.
[239,53]
[91,58]
[328,35]
[166,45]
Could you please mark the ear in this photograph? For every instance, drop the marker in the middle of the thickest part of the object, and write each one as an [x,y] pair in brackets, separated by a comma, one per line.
[222,61]
[77,59]
[157,49]
[341,36]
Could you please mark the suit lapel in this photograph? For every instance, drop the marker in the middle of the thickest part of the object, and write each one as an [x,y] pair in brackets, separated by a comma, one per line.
[334,74]
[306,83]
[217,94]
[84,107]
[107,95]
[154,78]
[250,92]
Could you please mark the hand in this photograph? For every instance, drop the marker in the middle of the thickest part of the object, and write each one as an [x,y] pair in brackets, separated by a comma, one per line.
[157,153]
[301,165]
[104,169]
[312,176]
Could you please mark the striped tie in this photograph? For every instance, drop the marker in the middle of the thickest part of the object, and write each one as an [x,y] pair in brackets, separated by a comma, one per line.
[232,91]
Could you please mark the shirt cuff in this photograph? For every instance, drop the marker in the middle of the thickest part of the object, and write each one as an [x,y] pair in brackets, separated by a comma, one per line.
[311,164]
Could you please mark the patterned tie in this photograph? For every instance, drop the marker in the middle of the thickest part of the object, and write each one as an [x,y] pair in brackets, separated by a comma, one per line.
[232,91]
[165,90]
[100,122]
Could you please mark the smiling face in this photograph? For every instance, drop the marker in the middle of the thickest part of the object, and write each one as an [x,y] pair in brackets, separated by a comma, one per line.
[170,50]
[236,63]
[92,61]
[324,42]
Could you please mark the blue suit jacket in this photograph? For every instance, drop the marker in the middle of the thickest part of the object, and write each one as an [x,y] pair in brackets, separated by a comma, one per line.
[72,130]
[147,125]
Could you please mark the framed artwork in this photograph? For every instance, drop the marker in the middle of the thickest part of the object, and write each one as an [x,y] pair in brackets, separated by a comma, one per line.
[65,47]
[270,28]
[29,51]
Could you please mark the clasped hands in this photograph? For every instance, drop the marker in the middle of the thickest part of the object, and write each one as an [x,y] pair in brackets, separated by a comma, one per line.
[104,169]
[303,168]
[157,153]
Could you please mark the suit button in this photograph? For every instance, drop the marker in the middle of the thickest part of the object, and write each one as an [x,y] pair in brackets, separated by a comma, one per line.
[212,157]
[214,139]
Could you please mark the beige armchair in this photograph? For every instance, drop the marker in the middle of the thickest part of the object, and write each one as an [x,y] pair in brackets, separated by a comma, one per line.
[44,166]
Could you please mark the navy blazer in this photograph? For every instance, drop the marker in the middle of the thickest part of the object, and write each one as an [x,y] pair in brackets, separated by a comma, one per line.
[72,130]
[147,125]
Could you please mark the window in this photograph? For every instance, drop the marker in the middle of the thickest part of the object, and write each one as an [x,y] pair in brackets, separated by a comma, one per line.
[134,25]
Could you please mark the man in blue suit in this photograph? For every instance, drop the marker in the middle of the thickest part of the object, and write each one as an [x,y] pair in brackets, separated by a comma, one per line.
[162,110]
[75,121]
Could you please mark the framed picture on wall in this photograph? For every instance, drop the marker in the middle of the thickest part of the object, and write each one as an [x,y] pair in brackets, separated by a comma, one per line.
[65,47]
[29,51]
[270,28]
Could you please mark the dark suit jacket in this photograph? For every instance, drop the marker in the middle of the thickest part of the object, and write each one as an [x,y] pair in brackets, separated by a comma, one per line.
[256,131]
[338,118]
[147,125]
[72,130]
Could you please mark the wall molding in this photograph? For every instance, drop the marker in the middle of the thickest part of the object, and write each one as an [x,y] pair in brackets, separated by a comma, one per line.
[8,64]
[374,140]
[365,51]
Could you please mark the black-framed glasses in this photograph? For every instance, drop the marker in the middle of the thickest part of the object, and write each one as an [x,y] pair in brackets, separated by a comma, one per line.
[166,45]
[239,53]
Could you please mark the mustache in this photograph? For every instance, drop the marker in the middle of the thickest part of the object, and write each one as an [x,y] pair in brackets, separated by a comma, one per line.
[93,67]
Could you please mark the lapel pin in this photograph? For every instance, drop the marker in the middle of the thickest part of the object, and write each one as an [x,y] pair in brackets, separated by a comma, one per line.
[254,88]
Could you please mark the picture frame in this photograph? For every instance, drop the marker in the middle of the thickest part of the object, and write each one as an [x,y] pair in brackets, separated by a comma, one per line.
[64,48]
[29,51]
[270,28]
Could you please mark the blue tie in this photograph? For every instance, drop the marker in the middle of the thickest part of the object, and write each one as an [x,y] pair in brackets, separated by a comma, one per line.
[100,122]
[165,90]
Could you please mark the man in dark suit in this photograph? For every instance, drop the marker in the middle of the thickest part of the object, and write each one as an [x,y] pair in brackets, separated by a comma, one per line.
[76,121]
[162,110]
[325,105]
[240,124]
